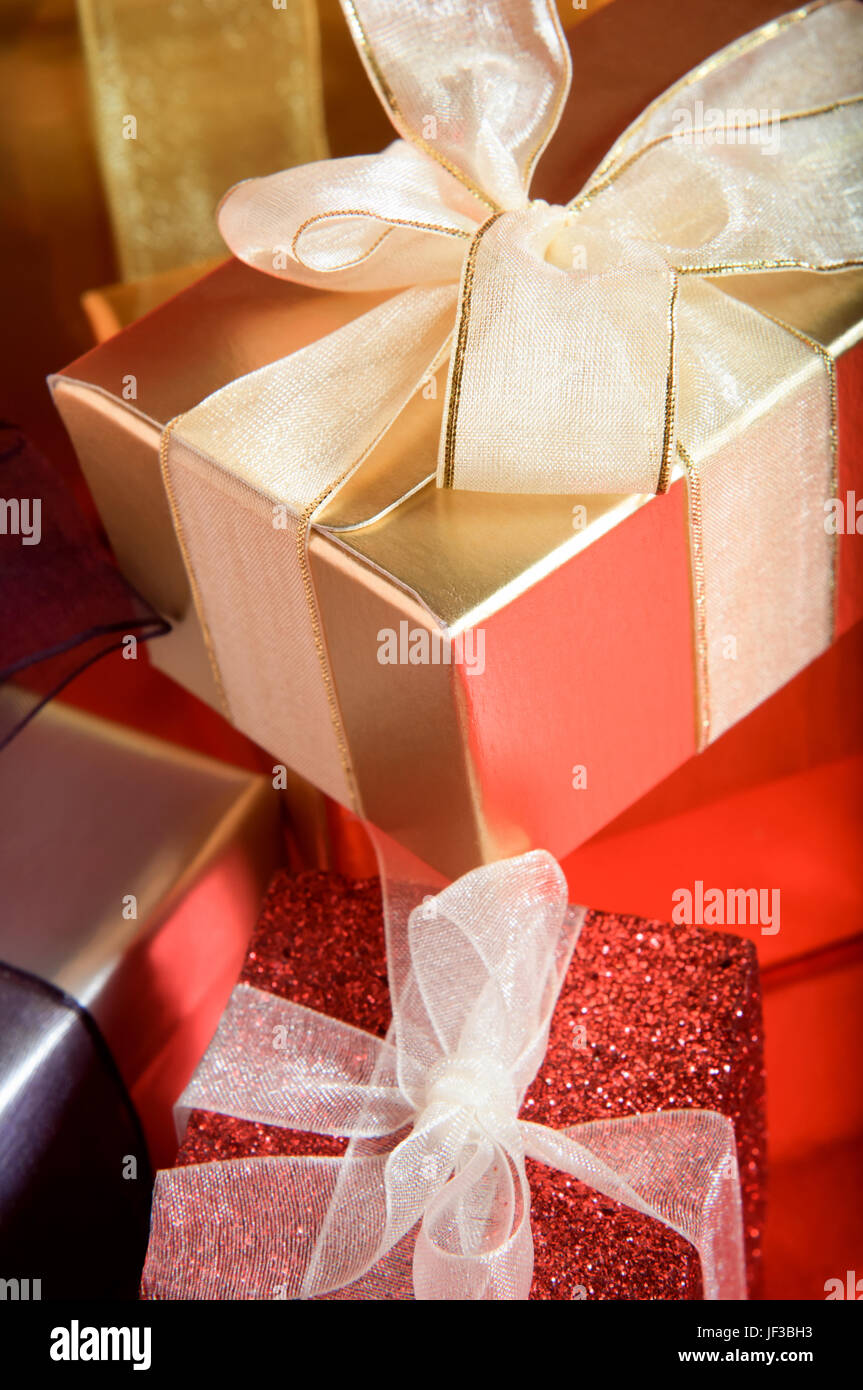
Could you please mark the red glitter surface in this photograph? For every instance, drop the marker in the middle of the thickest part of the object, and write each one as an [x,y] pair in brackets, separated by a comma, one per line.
[671,1018]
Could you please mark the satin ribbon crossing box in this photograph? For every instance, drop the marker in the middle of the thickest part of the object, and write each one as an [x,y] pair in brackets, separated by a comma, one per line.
[489,605]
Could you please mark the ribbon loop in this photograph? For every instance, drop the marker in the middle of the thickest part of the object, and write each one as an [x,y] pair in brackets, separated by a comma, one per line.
[478,88]
[797,61]
[281,1064]
[384,221]
[475,1240]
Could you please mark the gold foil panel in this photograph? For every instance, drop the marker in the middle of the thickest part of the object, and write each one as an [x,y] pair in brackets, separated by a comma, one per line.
[499,545]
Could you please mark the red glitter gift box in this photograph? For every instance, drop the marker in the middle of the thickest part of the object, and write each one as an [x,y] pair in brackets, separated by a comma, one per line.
[650,1016]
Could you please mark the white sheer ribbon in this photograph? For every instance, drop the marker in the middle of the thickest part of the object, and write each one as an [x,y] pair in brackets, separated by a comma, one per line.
[591,346]
[431,1199]
[560,380]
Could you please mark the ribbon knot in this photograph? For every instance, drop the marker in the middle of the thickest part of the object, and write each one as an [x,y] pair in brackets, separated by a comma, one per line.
[478,1088]
[431,1199]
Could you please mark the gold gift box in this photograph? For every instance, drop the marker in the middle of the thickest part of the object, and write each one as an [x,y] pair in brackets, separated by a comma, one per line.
[588,694]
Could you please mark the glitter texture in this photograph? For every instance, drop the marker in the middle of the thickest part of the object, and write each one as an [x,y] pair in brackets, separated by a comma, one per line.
[650,1017]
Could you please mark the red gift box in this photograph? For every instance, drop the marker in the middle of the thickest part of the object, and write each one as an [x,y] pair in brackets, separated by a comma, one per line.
[650,1017]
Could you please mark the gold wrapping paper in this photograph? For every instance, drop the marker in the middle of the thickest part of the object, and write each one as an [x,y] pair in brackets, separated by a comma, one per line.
[113,307]
[187,99]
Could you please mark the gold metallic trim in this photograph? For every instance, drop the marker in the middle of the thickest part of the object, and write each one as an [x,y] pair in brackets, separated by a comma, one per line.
[457,371]
[392,222]
[736,49]
[388,97]
[699,599]
[830,367]
[593,189]
[784,263]
[336,721]
[670,391]
[197,597]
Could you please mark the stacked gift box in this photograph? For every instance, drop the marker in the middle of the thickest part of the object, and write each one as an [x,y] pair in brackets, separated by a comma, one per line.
[131,873]
[649,1018]
[479,672]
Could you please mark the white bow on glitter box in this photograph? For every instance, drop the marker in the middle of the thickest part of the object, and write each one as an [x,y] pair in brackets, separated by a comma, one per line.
[431,1199]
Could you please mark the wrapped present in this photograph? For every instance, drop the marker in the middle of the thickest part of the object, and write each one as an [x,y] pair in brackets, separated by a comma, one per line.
[74,1191]
[541,577]
[167,137]
[639,1047]
[131,872]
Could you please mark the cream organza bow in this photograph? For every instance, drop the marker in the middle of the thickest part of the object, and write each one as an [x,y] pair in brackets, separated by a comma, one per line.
[588,341]
[431,1198]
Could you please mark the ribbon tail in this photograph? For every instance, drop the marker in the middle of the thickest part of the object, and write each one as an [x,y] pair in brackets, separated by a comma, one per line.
[277,1063]
[247,1229]
[679,1166]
